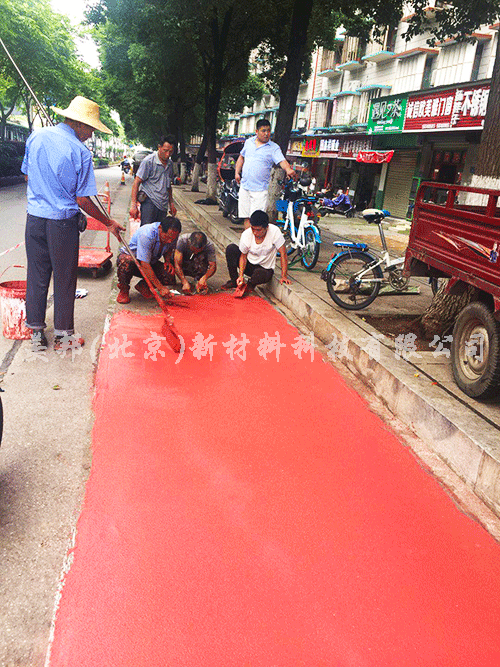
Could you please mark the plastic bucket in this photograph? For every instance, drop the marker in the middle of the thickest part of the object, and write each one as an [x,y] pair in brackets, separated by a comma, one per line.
[13,308]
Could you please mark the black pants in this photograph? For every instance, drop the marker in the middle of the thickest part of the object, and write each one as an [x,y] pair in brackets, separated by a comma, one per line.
[196,267]
[150,213]
[51,248]
[257,274]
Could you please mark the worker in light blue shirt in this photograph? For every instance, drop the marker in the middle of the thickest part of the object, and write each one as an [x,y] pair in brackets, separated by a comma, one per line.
[148,245]
[60,176]
[253,170]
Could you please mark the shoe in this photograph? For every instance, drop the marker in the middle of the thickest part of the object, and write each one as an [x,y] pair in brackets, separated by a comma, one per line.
[68,342]
[123,296]
[229,285]
[38,341]
[144,290]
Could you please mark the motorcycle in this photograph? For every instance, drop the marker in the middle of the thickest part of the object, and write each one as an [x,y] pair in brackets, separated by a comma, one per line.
[228,189]
[227,198]
[125,165]
[341,204]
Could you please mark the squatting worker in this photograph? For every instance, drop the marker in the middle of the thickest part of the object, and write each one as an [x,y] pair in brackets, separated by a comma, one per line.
[149,244]
[195,257]
[253,170]
[60,176]
[152,185]
[256,254]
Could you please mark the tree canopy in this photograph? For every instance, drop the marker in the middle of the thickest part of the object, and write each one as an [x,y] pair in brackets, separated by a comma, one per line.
[42,43]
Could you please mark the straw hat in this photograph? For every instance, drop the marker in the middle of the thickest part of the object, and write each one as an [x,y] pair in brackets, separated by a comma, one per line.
[85,111]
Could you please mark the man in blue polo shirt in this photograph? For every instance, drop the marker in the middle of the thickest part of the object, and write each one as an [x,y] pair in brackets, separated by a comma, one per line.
[60,175]
[149,244]
[253,170]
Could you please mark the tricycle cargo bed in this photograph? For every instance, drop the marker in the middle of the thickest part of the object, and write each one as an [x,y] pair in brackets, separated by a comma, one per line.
[456,232]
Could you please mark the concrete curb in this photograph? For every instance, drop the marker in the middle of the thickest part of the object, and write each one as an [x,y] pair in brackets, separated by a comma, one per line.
[458,435]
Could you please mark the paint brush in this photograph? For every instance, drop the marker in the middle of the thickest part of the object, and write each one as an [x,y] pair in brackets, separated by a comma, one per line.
[168,329]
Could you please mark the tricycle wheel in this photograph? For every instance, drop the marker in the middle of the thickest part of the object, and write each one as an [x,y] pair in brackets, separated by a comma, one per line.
[475,351]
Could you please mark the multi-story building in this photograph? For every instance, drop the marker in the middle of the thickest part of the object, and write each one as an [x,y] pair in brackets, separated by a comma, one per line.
[375,118]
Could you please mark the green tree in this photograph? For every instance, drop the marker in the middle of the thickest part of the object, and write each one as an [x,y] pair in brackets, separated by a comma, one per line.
[42,44]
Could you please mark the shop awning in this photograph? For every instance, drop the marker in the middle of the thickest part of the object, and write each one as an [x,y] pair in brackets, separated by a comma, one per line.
[374,157]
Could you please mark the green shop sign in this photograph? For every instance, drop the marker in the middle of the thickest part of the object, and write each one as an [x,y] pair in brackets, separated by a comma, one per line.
[387,115]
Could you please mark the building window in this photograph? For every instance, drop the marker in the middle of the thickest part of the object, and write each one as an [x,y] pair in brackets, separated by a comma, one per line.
[428,72]
[477,61]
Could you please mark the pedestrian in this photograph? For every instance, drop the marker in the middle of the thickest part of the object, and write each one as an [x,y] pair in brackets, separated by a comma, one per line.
[152,185]
[149,244]
[253,170]
[58,168]
[256,255]
[195,257]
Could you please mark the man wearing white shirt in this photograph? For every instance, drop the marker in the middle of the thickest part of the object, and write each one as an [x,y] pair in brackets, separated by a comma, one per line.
[253,170]
[256,254]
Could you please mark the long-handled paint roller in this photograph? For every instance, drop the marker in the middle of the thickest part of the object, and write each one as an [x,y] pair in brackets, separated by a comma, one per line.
[168,329]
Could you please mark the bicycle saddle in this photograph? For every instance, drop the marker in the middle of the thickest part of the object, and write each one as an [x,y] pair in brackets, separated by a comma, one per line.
[375,215]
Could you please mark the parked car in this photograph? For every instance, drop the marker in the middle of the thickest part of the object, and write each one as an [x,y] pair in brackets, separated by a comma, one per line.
[139,156]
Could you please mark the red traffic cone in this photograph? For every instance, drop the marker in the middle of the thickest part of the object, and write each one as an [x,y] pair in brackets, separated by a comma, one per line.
[123,178]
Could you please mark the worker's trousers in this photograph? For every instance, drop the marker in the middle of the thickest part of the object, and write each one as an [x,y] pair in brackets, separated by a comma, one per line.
[51,250]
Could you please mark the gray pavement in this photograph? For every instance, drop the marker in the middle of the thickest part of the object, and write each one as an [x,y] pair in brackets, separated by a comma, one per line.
[419,390]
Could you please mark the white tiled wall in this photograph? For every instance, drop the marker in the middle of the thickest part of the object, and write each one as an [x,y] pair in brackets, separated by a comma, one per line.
[453,64]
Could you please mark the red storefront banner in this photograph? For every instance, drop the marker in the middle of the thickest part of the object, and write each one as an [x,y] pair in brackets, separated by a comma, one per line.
[458,108]
[374,157]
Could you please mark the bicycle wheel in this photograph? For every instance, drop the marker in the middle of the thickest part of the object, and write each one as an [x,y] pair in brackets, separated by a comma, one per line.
[286,234]
[347,287]
[310,253]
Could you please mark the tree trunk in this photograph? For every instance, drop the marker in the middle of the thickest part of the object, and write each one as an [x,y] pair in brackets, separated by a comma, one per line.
[444,308]
[195,181]
[4,117]
[487,172]
[442,312]
[212,154]
[195,187]
[277,175]
[289,88]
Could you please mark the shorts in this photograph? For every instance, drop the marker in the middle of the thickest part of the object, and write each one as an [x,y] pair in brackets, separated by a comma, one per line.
[249,201]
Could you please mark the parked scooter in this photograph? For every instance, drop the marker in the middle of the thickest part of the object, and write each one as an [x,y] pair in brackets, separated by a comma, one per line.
[341,204]
[227,188]
[125,165]
[227,197]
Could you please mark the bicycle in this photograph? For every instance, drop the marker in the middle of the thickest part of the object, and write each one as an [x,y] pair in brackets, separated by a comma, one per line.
[299,227]
[354,275]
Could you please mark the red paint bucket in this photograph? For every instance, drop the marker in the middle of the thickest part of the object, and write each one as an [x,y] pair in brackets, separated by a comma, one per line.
[13,308]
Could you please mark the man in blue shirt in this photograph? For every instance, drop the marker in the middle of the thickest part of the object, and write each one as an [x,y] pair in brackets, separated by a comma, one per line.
[149,244]
[253,170]
[60,176]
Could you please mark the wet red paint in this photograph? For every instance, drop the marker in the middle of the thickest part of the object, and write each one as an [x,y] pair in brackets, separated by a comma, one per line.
[256,514]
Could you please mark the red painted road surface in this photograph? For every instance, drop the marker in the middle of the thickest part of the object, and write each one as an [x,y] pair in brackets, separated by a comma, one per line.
[254,513]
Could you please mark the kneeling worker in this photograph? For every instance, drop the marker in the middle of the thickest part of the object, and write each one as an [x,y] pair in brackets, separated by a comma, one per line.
[195,257]
[149,244]
[256,254]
